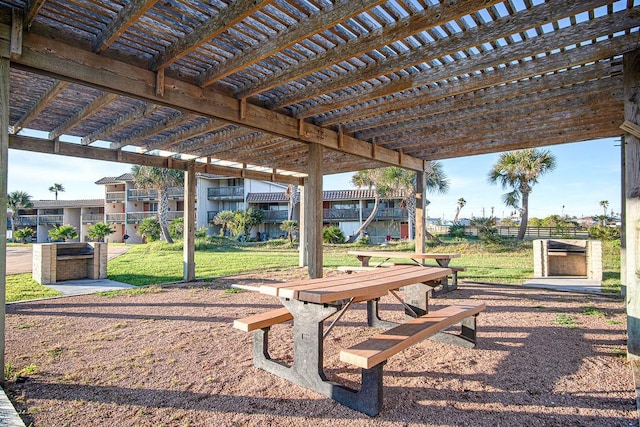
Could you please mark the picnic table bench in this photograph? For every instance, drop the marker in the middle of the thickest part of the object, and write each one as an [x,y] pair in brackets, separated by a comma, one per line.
[417,258]
[310,302]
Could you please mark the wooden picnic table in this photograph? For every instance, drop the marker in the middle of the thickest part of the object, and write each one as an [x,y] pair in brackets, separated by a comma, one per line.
[310,302]
[417,257]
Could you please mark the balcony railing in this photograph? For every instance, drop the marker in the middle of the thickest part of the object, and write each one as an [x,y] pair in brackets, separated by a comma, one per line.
[135,194]
[26,220]
[137,217]
[341,214]
[387,213]
[225,193]
[277,216]
[50,219]
[115,196]
[92,218]
[115,218]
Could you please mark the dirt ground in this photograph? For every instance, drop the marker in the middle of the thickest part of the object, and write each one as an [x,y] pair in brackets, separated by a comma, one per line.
[172,358]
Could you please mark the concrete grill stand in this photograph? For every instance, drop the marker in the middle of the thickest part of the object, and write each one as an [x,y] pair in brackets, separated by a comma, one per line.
[57,262]
[566,257]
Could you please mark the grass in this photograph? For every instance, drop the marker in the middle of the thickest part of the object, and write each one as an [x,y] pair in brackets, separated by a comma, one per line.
[566,320]
[508,262]
[21,287]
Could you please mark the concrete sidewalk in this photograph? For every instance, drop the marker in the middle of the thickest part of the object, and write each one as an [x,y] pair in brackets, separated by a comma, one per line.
[565,284]
[88,286]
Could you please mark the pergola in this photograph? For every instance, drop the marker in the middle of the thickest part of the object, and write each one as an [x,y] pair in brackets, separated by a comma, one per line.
[291,90]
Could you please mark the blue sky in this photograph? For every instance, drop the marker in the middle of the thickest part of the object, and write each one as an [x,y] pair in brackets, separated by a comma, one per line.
[586,173]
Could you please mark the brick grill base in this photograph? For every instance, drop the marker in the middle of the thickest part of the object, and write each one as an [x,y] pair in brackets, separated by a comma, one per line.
[568,265]
[73,269]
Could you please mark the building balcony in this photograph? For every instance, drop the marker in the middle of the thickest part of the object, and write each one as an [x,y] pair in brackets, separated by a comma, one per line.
[135,194]
[115,218]
[92,218]
[137,217]
[115,196]
[387,214]
[50,219]
[225,193]
[26,220]
[275,216]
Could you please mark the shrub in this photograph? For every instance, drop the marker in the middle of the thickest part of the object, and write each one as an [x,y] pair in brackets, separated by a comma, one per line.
[602,232]
[289,227]
[176,228]
[364,241]
[150,229]
[24,234]
[201,233]
[333,235]
[487,230]
[99,231]
[457,230]
[64,233]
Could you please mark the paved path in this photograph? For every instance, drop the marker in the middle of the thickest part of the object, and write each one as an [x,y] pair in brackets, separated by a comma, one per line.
[19,257]
[567,284]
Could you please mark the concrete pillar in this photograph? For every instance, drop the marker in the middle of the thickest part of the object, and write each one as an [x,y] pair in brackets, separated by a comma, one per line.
[189,232]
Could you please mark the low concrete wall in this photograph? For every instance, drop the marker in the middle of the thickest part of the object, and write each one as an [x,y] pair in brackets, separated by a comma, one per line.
[57,262]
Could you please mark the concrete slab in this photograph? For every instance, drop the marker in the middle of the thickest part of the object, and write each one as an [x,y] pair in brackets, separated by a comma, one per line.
[8,415]
[86,286]
[565,284]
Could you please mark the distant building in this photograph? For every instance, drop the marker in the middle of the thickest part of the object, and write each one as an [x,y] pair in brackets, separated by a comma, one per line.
[125,206]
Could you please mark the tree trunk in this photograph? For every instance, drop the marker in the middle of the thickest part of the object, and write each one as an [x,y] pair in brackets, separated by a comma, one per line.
[163,210]
[365,224]
[411,213]
[525,215]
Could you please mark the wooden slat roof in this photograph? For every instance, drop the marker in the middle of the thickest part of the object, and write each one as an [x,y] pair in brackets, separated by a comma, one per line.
[251,83]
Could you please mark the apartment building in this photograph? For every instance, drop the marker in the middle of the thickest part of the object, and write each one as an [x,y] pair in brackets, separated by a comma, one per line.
[124,206]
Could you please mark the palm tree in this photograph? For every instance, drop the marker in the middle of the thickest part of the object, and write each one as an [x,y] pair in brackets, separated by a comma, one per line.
[605,205]
[372,179]
[292,195]
[520,170]
[56,188]
[99,231]
[224,219]
[17,200]
[159,179]
[289,227]
[461,203]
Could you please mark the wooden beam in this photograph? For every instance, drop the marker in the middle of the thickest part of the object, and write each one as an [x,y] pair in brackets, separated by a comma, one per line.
[313,212]
[550,11]
[16,32]
[631,64]
[528,69]
[32,10]
[88,110]
[316,23]
[251,140]
[219,22]
[39,105]
[188,244]
[428,18]
[121,122]
[225,134]
[167,123]
[129,14]
[39,145]
[4,167]
[526,138]
[458,104]
[165,143]
[43,55]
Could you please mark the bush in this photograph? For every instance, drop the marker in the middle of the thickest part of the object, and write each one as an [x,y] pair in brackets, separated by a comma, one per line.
[602,232]
[333,235]
[24,234]
[99,231]
[457,230]
[201,233]
[176,228]
[150,229]
[364,241]
[63,233]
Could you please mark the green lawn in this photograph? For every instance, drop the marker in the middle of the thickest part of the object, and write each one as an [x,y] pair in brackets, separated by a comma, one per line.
[510,262]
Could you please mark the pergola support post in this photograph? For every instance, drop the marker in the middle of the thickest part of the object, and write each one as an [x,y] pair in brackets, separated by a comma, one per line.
[421,209]
[189,264]
[4,164]
[313,212]
[302,236]
[631,76]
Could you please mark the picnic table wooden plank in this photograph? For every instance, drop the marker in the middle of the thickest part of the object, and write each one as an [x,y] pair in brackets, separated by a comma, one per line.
[275,288]
[412,255]
[358,288]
